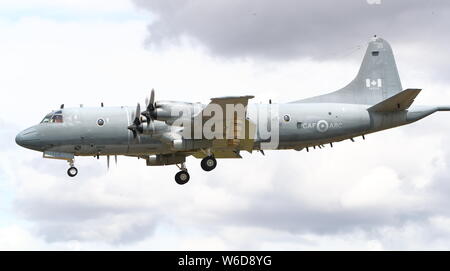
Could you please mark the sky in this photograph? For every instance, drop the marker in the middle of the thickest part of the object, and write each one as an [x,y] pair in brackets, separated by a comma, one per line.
[388,192]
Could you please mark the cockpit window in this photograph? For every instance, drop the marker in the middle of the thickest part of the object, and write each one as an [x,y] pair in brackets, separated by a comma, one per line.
[47,118]
[54,117]
[58,118]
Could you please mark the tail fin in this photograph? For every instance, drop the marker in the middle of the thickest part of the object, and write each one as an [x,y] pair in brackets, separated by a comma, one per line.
[376,81]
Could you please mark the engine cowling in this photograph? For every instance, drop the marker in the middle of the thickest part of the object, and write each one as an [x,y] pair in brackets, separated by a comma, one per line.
[155,127]
[178,144]
[170,111]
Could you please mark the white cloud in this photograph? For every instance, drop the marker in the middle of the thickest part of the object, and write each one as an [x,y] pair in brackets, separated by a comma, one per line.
[375,194]
[381,187]
[79,5]
[17,238]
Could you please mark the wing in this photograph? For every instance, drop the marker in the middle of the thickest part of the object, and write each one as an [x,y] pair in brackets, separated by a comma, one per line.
[224,121]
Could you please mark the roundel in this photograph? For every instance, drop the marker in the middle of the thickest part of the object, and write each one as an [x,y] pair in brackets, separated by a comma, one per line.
[322,126]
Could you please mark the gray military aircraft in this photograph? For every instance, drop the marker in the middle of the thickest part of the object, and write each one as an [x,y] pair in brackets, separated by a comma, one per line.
[166,132]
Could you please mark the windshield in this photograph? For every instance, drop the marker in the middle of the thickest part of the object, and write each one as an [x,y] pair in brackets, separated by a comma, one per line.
[53,117]
[47,118]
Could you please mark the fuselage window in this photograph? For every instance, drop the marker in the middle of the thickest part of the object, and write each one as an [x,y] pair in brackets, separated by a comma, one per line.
[286,118]
[100,122]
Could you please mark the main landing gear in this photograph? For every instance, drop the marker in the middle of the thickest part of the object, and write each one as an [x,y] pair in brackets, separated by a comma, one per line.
[72,171]
[182,177]
[208,163]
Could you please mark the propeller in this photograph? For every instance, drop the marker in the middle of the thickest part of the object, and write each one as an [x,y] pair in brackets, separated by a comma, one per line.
[108,159]
[136,126]
[149,113]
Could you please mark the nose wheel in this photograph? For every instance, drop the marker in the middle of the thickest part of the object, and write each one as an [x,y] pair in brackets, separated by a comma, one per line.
[72,171]
[208,163]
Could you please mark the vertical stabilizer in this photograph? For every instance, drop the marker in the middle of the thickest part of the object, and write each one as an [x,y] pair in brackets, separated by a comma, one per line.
[376,81]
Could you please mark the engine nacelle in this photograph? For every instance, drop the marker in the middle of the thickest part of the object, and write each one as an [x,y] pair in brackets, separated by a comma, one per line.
[155,127]
[165,159]
[170,111]
[178,144]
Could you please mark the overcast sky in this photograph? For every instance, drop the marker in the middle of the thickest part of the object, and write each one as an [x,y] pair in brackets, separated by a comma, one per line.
[390,191]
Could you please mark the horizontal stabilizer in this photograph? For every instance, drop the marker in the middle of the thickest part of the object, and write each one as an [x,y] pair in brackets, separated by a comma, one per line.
[398,102]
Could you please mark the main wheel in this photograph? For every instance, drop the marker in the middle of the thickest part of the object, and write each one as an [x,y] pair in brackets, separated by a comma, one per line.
[182,177]
[72,171]
[208,163]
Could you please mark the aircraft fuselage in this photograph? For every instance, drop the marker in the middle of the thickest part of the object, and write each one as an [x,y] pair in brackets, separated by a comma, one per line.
[300,126]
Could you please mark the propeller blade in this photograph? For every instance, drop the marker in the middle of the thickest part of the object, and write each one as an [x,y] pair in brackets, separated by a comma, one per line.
[152,100]
[115,159]
[132,128]
[107,161]
[150,107]
[138,112]
[137,118]
[136,126]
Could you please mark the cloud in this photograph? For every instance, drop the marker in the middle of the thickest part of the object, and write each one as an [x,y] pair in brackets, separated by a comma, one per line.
[43,6]
[290,29]
[387,192]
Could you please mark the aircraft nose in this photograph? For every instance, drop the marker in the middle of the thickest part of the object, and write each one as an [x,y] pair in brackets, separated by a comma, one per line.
[28,138]
[19,139]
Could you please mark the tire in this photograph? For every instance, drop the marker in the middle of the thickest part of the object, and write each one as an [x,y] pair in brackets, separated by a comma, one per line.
[182,177]
[72,171]
[208,163]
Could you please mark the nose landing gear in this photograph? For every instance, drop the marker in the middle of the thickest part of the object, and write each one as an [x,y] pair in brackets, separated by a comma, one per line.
[72,171]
